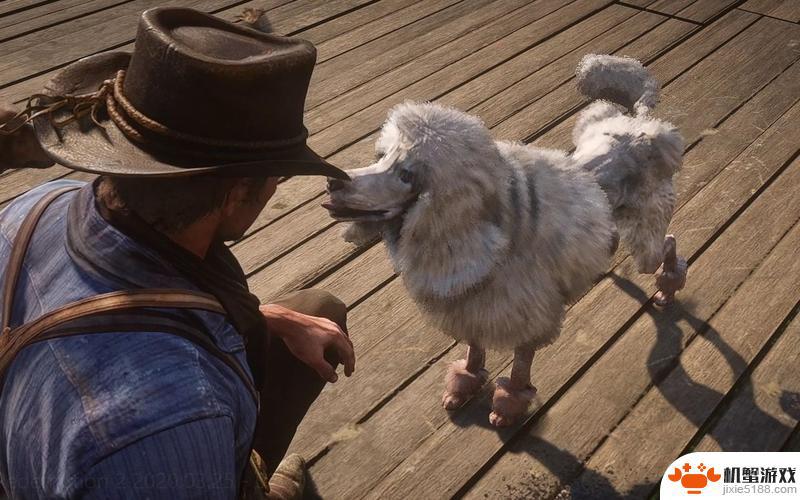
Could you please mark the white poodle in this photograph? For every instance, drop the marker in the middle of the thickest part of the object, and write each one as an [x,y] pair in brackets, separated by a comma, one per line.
[493,239]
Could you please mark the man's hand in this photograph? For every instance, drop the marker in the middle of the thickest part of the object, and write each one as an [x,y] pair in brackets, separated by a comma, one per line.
[309,337]
[20,149]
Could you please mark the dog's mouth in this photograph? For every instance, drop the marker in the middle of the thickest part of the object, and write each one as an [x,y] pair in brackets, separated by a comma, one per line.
[343,213]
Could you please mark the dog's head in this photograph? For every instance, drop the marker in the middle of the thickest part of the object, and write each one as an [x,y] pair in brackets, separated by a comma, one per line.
[422,148]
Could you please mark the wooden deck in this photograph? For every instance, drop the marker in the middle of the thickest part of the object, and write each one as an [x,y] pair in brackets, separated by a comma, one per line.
[627,387]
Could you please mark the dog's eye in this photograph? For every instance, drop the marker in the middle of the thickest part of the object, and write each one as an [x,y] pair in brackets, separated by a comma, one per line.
[407,176]
[379,155]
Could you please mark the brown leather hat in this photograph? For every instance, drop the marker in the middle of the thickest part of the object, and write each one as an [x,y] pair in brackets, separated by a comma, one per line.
[198,95]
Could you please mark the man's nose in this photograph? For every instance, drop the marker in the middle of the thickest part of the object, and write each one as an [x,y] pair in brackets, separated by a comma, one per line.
[335,184]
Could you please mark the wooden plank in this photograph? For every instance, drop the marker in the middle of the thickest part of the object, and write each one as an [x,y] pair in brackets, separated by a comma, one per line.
[470,63]
[379,10]
[703,10]
[7,7]
[255,253]
[670,7]
[360,34]
[721,92]
[539,83]
[48,15]
[296,275]
[788,10]
[578,437]
[340,74]
[52,48]
[46,49]
[391,458]
[566,99]
[359,278]
[592,323]
[664,421]
[385,88]
[767,401]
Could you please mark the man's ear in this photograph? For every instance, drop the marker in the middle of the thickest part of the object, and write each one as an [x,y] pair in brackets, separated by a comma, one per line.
[236,197]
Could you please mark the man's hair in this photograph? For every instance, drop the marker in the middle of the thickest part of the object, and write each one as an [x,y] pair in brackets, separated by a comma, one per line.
[173,203]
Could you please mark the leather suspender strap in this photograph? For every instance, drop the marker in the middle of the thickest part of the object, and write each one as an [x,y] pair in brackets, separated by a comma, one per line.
[102,311]
[20,246]
[149,320]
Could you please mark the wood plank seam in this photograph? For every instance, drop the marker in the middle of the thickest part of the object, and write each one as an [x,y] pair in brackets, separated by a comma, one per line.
[516,54]
[573,111]
[27,7]
[658,392]
[335,16]
[671,16]
[767,15]
[45,26]
[689,148]
[742,381]
[111,47]
[533,418]
[793,441]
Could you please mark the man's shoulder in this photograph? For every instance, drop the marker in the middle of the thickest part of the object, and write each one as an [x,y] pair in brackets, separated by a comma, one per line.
[11,216]
[70,402]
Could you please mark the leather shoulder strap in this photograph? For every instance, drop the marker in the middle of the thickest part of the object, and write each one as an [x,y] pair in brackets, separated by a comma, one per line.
[18,250]
[101,306]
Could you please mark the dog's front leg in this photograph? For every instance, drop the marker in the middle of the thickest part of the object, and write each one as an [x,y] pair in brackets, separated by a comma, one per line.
[464,378]
[672,275]
[513,395]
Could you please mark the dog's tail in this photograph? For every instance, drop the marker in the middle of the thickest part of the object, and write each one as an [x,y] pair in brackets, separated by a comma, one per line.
[621,80]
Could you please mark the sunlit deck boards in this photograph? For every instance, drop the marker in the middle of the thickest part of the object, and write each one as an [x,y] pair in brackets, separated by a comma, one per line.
[627,387]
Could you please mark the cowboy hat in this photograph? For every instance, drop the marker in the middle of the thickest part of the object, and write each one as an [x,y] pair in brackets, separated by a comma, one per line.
[197,95]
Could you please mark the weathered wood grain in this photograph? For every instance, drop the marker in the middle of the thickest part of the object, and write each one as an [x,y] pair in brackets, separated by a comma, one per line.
[45,49]
[566,99]
[747,135]
[556,453]
[765,408]
[359,34]
[362,16]
[338,75]
[47,15]
[429,65]
[788,10]
[666,418]
[718,94]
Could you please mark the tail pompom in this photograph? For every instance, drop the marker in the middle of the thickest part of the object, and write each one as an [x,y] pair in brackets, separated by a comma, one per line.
[622,80]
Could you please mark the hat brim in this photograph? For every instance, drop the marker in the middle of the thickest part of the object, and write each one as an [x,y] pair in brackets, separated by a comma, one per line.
[107,151]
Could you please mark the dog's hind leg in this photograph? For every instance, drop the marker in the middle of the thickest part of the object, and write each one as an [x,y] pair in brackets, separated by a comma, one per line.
[513,395]
[672,275]
[464,378]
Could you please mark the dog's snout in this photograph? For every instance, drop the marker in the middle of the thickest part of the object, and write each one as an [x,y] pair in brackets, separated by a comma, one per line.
[335,185]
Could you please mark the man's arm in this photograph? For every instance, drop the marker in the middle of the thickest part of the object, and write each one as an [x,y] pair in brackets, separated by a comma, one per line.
[192,460]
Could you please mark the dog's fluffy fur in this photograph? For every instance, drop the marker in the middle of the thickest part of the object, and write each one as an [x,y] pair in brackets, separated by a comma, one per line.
[492,239]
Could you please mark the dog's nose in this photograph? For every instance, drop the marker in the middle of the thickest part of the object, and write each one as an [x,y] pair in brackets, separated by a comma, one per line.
[335,184]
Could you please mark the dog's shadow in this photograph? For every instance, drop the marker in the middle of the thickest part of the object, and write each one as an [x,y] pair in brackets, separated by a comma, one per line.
[692,399]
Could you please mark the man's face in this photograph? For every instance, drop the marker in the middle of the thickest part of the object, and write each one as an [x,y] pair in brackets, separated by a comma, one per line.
[243,205]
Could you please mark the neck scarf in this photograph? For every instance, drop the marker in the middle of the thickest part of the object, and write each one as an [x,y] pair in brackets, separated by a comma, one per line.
[218,274]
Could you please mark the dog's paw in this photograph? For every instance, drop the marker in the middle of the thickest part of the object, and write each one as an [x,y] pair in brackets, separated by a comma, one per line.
[461,384]
[669,282]
[509,404]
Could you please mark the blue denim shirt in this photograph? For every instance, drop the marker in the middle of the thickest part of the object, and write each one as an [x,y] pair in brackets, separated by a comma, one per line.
[119,415]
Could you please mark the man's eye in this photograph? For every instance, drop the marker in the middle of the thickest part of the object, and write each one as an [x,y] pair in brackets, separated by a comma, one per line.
[407,176]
